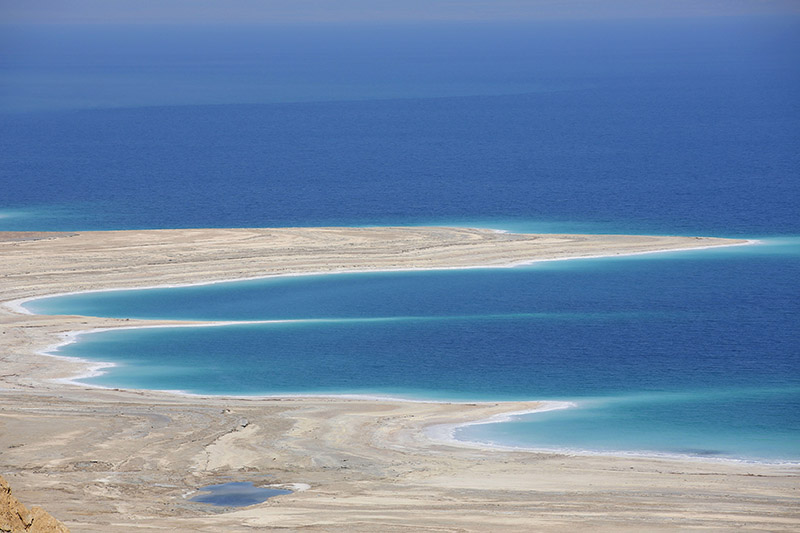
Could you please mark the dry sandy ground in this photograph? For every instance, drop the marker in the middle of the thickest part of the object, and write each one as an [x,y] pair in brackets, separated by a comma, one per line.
[114,460]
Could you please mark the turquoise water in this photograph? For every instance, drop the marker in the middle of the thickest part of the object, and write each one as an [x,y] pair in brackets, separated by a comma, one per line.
[686,127]
[756,423]
[661,353]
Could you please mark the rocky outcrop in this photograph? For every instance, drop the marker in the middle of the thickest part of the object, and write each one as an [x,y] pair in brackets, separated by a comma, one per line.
[16,518]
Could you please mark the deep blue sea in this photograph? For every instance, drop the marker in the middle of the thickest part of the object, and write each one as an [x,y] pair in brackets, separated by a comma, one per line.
[686,127]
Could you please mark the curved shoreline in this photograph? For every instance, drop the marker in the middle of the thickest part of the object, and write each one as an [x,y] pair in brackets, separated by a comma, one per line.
[94,368]
[439,433]
[18,306]
[106,458]
[443,433]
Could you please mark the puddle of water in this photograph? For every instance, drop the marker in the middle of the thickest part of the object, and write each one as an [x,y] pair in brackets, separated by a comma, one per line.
[236,494]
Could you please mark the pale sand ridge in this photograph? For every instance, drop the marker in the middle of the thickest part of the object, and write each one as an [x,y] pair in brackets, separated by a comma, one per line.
[114,460]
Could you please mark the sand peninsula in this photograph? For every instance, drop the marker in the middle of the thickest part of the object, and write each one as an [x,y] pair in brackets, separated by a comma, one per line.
[104,460]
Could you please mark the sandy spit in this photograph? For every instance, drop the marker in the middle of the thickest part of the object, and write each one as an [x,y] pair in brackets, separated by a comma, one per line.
[122,460]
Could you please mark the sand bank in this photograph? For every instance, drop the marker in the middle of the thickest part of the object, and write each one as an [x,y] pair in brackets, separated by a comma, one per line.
[111,460]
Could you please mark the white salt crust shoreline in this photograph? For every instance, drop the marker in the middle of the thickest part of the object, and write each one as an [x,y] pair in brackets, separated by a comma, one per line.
[17,305]
[441,433]
[112,460]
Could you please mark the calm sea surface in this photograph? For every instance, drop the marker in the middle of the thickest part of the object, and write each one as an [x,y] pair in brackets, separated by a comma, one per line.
[676,127]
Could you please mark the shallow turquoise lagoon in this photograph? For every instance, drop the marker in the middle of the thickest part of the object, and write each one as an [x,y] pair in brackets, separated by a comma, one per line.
[681,127]
[689,353]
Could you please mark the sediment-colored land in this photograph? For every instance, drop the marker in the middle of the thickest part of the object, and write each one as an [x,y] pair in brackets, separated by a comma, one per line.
[16,518]
[116,460]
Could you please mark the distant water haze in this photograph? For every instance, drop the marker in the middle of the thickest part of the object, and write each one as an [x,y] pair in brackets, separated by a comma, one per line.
[289,11]
[682,126]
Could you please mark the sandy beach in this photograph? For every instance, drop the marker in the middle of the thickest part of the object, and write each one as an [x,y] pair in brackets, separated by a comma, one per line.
[106,460]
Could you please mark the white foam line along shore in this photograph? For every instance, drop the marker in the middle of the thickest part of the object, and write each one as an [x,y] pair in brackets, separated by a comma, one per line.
[95,367]
[18,304]
[111,459]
